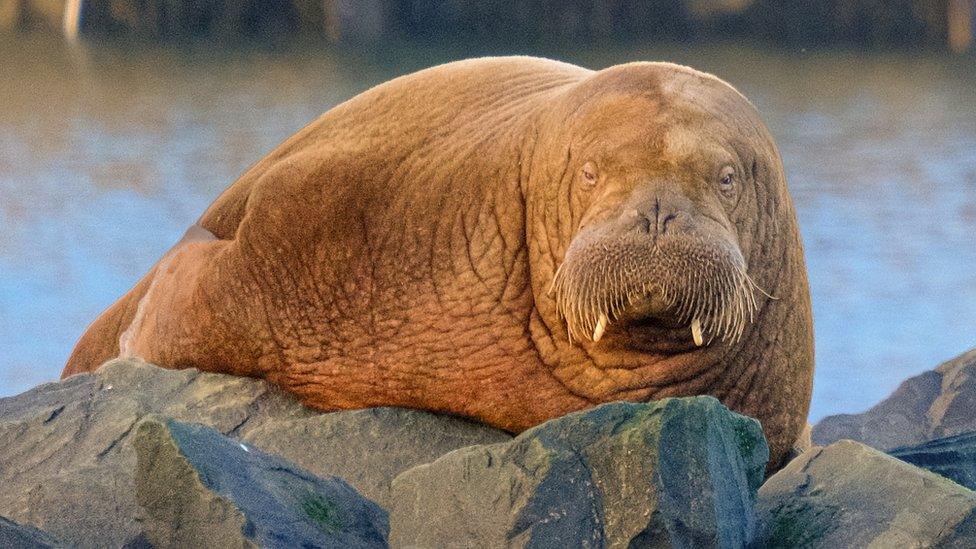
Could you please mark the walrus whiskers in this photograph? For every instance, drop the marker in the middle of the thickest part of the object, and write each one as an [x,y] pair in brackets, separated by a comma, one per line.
[707,289]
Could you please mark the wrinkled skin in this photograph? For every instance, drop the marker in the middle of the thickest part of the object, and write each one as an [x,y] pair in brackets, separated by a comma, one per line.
[402,250]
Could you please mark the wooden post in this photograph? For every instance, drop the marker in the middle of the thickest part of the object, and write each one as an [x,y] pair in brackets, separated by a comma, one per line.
[333,28]
[960,20]
[72,19]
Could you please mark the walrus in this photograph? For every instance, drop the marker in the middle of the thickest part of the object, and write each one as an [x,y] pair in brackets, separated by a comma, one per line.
[508,239]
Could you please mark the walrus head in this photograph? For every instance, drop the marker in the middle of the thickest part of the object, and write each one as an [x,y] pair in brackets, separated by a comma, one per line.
[665,222]
[657,256]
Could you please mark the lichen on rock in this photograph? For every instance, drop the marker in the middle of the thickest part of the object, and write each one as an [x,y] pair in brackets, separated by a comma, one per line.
[675,471]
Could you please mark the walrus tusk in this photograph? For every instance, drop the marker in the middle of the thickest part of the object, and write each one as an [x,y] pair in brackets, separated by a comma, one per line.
[696,331]
[601,325]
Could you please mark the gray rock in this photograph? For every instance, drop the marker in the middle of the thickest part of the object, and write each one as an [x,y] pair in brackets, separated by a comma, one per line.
[932,405]
[87,505]
[368,448]
[65,459]
[67,463]
[951,457]
[851,495]
[682,472]
[202,489]
[21,536]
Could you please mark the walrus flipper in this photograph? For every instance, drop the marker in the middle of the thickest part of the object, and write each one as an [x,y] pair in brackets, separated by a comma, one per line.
[109,335]
[100,341]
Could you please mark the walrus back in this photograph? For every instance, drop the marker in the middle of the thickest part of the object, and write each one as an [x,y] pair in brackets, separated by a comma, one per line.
[403,114]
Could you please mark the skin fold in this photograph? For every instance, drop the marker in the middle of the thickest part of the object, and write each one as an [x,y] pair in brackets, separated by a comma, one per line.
[403,249]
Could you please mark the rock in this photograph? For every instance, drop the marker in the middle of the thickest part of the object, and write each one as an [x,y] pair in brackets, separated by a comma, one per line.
[851,495]
[800,445]
[368,448]
[89,504]
[65,457]
[234,20]
[20,536]
[682,472]
[67,463]
[202,489]
[935,404]
[951,457]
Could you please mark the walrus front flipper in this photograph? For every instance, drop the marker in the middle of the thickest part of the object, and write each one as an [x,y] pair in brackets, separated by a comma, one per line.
[101,341]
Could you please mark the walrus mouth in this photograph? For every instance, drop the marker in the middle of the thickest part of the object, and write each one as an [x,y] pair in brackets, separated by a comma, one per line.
[681,280]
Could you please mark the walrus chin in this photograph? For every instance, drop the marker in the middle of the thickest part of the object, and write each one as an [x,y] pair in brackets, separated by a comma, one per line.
[681,282]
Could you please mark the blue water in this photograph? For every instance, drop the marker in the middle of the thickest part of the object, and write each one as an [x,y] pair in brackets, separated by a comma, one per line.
[108,153]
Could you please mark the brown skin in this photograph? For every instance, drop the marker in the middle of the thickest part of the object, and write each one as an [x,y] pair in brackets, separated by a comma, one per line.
[402,251]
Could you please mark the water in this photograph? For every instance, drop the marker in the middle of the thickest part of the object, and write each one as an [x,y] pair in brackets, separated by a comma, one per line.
[107,153]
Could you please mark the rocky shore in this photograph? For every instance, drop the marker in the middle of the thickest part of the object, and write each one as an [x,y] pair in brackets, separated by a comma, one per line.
[852,22]
[138,456]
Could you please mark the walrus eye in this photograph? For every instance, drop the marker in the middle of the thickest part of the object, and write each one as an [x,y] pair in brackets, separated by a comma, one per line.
[589,174]
[727,178]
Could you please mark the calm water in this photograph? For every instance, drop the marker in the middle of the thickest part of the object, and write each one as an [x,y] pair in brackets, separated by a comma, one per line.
[108,153]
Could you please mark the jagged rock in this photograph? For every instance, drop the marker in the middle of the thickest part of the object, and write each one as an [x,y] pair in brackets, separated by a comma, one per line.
[368,448]
[21,536]
[932,405]
[202,489]
[679,471]
[951,457]
[67,463]
[851,495]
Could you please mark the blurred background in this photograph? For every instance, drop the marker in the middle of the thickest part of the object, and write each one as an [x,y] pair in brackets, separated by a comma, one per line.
[121,120]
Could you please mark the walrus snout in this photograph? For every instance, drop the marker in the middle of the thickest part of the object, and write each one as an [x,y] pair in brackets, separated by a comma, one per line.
[656,265]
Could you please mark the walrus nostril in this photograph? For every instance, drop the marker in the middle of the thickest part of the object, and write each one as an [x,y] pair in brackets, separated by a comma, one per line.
[637,220]
[643,224]
[658,217]
[663,223]
[654,222]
